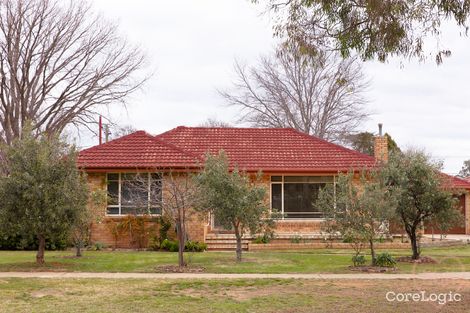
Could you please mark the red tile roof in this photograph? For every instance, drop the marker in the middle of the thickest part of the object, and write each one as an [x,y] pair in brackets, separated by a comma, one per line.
[251,149]
[268,149]
[137,150]
[456,182]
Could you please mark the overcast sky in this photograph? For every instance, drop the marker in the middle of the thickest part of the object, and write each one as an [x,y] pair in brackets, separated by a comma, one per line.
[191,46]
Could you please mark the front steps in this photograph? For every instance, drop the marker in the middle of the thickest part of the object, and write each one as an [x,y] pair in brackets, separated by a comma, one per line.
[225,241]
[220,241]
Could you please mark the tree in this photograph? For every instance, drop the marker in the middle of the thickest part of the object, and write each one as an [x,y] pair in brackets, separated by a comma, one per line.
[422,193]
[364,142]
[44,192]
[321,95]
[359,209]
[372,29]
[59,63]
[180,197]
[81,229]
[465,171]
[232,198]
[212,122]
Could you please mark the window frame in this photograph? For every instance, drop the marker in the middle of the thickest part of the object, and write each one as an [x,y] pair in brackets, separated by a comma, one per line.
[282,182]
[119,205]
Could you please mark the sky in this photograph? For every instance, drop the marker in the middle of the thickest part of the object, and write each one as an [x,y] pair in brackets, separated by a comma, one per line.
[191,47]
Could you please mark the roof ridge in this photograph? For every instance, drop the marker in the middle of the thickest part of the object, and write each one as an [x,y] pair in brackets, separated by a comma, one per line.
[118,139]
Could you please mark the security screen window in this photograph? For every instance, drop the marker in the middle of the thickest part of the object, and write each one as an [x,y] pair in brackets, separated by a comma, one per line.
[134,193]
[295,196]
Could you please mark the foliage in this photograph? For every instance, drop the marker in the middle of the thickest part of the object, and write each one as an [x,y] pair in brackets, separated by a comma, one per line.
[423,193]
[364,143]
[164,227]
[195,246]
[359,209]
[465,170]
[81,230]
[190,246]
[358,260]
[296,239]
[170,245]
[266,237]
[385,259]
[372,29]
[322,96]
[232,197]
[44,192]
[98,246]
[18,242]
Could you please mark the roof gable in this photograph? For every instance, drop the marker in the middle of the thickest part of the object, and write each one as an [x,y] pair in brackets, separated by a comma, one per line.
[136,150]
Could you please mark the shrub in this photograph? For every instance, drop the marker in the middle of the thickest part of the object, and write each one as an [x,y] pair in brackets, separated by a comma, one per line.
[17,242]
[359,260]
[98,246]
[265,238]
[296,239]
[385,260]
[169,245]
[195,246]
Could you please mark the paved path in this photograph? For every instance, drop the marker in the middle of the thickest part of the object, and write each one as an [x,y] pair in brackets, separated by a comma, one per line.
[60,275]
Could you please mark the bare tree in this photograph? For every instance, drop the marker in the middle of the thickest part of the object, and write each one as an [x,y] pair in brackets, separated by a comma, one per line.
[321,95]
[212,122]
[174,193]
[180,196]
[58,63]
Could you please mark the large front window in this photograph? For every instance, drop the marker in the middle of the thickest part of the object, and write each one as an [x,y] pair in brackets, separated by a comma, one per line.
[295,196]
[134,193]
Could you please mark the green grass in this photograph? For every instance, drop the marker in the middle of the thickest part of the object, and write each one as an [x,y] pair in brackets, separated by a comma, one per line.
[310,261]
[195,296]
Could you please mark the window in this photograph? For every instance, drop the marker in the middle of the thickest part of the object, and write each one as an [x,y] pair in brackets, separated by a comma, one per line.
[295,196]
[134,193]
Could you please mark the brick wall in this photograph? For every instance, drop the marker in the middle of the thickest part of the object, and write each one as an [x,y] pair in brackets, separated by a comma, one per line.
[381,148]
[102,224]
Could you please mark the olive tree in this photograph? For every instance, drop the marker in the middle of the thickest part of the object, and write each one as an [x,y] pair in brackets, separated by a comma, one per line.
[358,208]
[44,192]
[231,196]
[423,194]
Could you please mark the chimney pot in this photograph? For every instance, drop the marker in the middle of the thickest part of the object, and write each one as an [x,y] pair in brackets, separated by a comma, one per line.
[380,129]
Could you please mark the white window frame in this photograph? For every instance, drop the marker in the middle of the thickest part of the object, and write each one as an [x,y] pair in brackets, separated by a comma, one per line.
[119,205]
[282,182]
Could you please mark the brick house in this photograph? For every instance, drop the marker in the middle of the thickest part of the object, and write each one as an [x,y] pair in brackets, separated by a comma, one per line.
[294,167]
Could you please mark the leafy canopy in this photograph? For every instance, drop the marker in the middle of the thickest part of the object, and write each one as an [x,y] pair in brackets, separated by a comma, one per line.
[43,192]
[230,195]
[373,29]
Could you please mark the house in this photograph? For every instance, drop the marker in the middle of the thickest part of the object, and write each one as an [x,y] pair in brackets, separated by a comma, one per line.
[294,166]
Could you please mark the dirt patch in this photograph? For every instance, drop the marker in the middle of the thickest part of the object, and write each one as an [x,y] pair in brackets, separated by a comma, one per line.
[46,293]
[238,293]
[177,269]
[372,269]
[421,260]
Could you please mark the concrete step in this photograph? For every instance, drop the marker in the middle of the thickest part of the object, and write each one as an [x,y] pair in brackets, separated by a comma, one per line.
[225,241]
[226,247]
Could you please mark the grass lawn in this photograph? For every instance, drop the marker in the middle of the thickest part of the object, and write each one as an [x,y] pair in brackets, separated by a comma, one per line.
[262,295]
[311,261]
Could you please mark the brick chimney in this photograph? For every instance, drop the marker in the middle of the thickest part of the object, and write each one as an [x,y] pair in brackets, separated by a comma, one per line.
[381,146]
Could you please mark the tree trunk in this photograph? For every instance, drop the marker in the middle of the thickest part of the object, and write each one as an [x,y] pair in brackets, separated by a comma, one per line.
[372,252]
[414,243]
[41,248]
[180,235]
[78,249]
[238,236]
